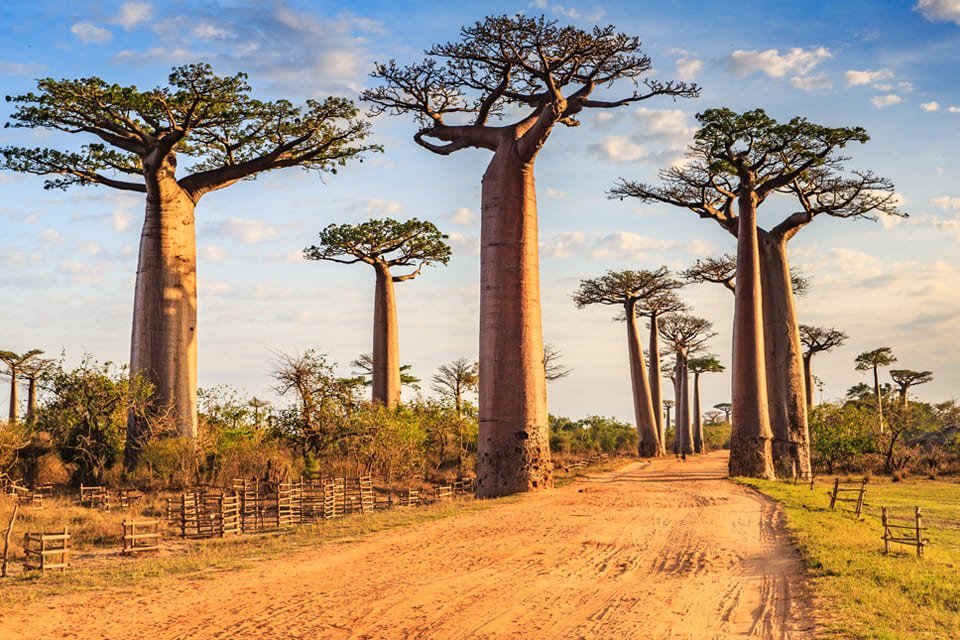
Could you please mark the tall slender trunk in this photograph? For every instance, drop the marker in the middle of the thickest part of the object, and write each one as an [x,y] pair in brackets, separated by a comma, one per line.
[513,450]
[656,392]
[750,450]
[31,399]
[903,397]
[784,360]
[808,379]
[164,338]
[386,343]
[683,415]
[876,391]
[677,409]
[697,415]
[648,445]
[13,396]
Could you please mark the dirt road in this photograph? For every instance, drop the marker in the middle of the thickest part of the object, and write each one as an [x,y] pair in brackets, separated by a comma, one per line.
[670,550]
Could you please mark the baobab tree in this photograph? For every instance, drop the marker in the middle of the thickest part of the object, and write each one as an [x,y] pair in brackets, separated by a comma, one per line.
[661,301]
[736,162]
[872,361]
[384,244]
[816,340]
[686,335]
[726,407]
[627,289]
[502,64]
[723,270]
[16,363]
[703,364]
[906,378]
[141,138]
[667,405]
[364,365]
[32,371]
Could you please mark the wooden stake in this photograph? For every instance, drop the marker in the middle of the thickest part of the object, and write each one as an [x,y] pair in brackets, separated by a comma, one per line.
[6,541]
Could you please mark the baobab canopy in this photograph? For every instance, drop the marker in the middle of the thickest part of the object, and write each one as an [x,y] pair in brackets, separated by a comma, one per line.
[228,135]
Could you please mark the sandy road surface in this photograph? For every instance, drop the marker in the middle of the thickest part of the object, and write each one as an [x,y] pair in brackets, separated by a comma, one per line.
[666,551]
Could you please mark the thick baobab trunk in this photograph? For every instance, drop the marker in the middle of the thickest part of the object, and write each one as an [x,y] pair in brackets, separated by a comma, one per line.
[386,343]
[784,361]
[31,400]
[750,451]
[808,380]
[164,338]
[648,439]
[697,416]
[656,392]
[513,451]
[12,416]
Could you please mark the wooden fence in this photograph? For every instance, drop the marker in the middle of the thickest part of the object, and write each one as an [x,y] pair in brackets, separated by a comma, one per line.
[140,535]
[839,493]
[46,551]
[205,514]
[904,531]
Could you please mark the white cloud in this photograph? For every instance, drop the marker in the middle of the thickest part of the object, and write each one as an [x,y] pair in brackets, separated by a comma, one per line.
[563,245]
[811,83]
[618,149]
[930,106]
[19,68]
[244,231]
[688,68]
[886,101]
[89,33]
[210,31]
[856,78]
[947,203]
[939,10]
[796,61]
[624,245]
[569,12]
[121,220]
[132,14]
[953,109]
[554,194]
[50,236]
[213,253]
[378,207]
[462,216]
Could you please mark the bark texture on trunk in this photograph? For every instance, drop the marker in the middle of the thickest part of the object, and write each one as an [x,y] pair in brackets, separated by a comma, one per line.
[808,379]
[12,416]
[31,400]
[164,338]
[879,396]
[656,391]
[684,425]
[750,451]
[386,342]
[697,419]
[513,451]
[648,444]
[784,361]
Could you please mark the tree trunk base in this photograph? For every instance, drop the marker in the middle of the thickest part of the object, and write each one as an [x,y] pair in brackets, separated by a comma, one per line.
[649,450]
[503,471]
[751,458]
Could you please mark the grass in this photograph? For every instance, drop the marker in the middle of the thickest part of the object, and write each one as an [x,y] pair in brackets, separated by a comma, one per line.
[862,593]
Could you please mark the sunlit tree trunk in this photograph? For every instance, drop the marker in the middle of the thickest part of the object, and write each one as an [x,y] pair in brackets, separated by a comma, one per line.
[13,396]
[31,400]
[164,341]
[386,343]
[697,415]
[648,439]
[878,395]
[808,380]
[750,450]
[513,451]
[683,424]
[656,392]
[784,361]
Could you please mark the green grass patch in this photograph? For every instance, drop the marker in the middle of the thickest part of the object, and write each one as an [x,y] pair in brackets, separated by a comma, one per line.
[200,559]
[862,593]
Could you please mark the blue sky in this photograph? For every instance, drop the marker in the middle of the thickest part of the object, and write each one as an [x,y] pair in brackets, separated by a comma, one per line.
[67,259]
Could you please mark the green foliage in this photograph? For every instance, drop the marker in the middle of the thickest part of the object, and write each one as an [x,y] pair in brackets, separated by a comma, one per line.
[210,118]
[593,434]
[87,415]
[869,360]
[840,433]
[382,240]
